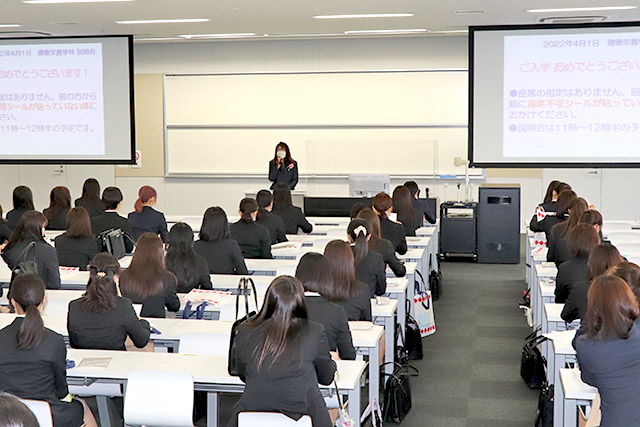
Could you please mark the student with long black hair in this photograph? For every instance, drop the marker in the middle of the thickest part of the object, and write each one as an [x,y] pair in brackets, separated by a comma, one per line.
[101,319]
[90,199]
[273,222]
[548,205]
[254,239]
[403,207]
[282,168]
[14,413]
[292,216]
[420,205]
[565,200]
[191,270]
[30,229]
[33,358]
[222,253]
[348,292]
[558,251]
[22,202]
[380,245]
[76,247]
[281,349]
[581,241]
[59,206]
[369,265]
[392,231]
[314,272]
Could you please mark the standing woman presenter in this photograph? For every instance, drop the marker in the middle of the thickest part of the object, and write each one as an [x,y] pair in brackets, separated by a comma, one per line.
[283,169]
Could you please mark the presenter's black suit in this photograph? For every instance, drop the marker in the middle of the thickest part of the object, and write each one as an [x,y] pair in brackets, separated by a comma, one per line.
[371,271]
[293,218]
[148,221]
[359,307]
[154,306]
[223,256]
[295,377]
[394,232]
[283,175]
[385,248]
[94,208]
[38,373]
[254,239]
[75,251]
[275,225]
[569,273]
[106,331]
[335,323]
[46,259]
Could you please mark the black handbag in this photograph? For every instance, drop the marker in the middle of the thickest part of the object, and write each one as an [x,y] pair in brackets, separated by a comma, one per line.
[532,365]
[413,338]
[397,394]
[245,286]
[27,264]
[544,416]
[401,353]
[435,281]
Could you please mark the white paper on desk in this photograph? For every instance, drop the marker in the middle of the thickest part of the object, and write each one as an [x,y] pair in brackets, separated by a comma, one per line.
[562,337]
[360,326]
[94,362]
[548,264]
[211,297]
[286,245]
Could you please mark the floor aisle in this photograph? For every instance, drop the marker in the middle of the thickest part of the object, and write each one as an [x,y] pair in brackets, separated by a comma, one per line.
[470,375]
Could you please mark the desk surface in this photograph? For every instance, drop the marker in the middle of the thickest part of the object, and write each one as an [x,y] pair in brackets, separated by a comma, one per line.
[553,311]
[546,269]
[574,388]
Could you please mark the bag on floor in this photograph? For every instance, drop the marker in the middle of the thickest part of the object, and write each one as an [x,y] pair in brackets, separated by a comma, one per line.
[397,394]
[245,286]
[423,309]
[532,364]
[413,339]
[435,281]
[544,416]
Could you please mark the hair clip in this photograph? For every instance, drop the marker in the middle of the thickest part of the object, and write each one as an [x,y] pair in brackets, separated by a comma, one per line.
[360,229]
[101,274]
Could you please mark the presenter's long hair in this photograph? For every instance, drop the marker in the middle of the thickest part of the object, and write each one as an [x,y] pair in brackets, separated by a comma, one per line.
[287,158]
[22,198]
[91,190]
[283,315]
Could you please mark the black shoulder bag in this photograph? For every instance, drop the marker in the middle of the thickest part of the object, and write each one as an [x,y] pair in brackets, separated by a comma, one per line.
[27,261]
[245,286]
[413,338]
[397,393]
[435,281]
[532,365]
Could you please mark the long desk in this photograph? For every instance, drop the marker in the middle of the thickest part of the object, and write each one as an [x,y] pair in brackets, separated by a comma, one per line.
[574,393]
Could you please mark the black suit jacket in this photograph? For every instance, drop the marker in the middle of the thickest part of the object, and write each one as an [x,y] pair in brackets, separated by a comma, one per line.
[394,232]
[411,225]
[202,279]
[371,271]
[223,256]
[5,231]
[110,220]
[385,248]
[154,306]
[75,251]
[293,218]
[613,366]
[335,323]
[148,221]
[420,205]
[94,208]
[106,331]
[557,249]
[575,307]
[254,239]
[534,225]
[358,308]
[13,216]
[295,377]
[570,273]
[283,175]
[274,224]
[38,373]
[46,259]
[58,222]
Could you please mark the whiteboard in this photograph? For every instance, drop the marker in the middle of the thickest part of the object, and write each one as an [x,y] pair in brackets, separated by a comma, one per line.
[400,123]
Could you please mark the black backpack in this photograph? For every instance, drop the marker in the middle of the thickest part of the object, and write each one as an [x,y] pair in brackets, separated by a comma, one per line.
[435,281]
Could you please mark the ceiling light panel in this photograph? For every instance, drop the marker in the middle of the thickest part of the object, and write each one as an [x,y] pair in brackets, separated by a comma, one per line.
[365,15]
[163,21]
[400,31]
[581,9]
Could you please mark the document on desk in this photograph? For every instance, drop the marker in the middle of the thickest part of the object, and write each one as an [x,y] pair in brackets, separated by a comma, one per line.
[562,337]
[212,297]
[95,362]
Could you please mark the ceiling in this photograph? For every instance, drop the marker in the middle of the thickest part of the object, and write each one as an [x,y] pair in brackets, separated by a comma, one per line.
[279,18]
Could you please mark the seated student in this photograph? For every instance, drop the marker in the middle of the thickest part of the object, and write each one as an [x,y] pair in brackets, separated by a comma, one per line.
[351,294]
[110,219]
[314,272]
[76,247]
[355,210]
[280,349]
[59,205]
[223,254]
[565,200]
[33,358]
[594,218]
[608,351]
[380,245]
[273,222]
[14,413]
[392,231]
[581,240]
[90,199]
[254,239]
[191,270]
[602,257]
[147,280]
[630,273]
[5,231]
[30,228]
[420,205]
[292,216]
[370,266]
[22,202]
[548,206]
[403,207]
[557,243]
[101,319]
[145,219]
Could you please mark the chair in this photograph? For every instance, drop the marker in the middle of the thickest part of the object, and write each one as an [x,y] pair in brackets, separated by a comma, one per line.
[41,410]
[271,419]
[159,398]
[201,343]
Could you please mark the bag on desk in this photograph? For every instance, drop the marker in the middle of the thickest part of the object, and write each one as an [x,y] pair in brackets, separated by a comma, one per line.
[532,363]
[544,416]
[245,286]
[424,309]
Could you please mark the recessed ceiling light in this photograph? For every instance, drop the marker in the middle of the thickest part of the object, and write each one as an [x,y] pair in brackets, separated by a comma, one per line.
[163,21]
[401,31]
[69,1]
[307,35]
[468,12]
[581,9]
[365,15]
[10,25]
[448,31]
[219,36]
[145,39]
